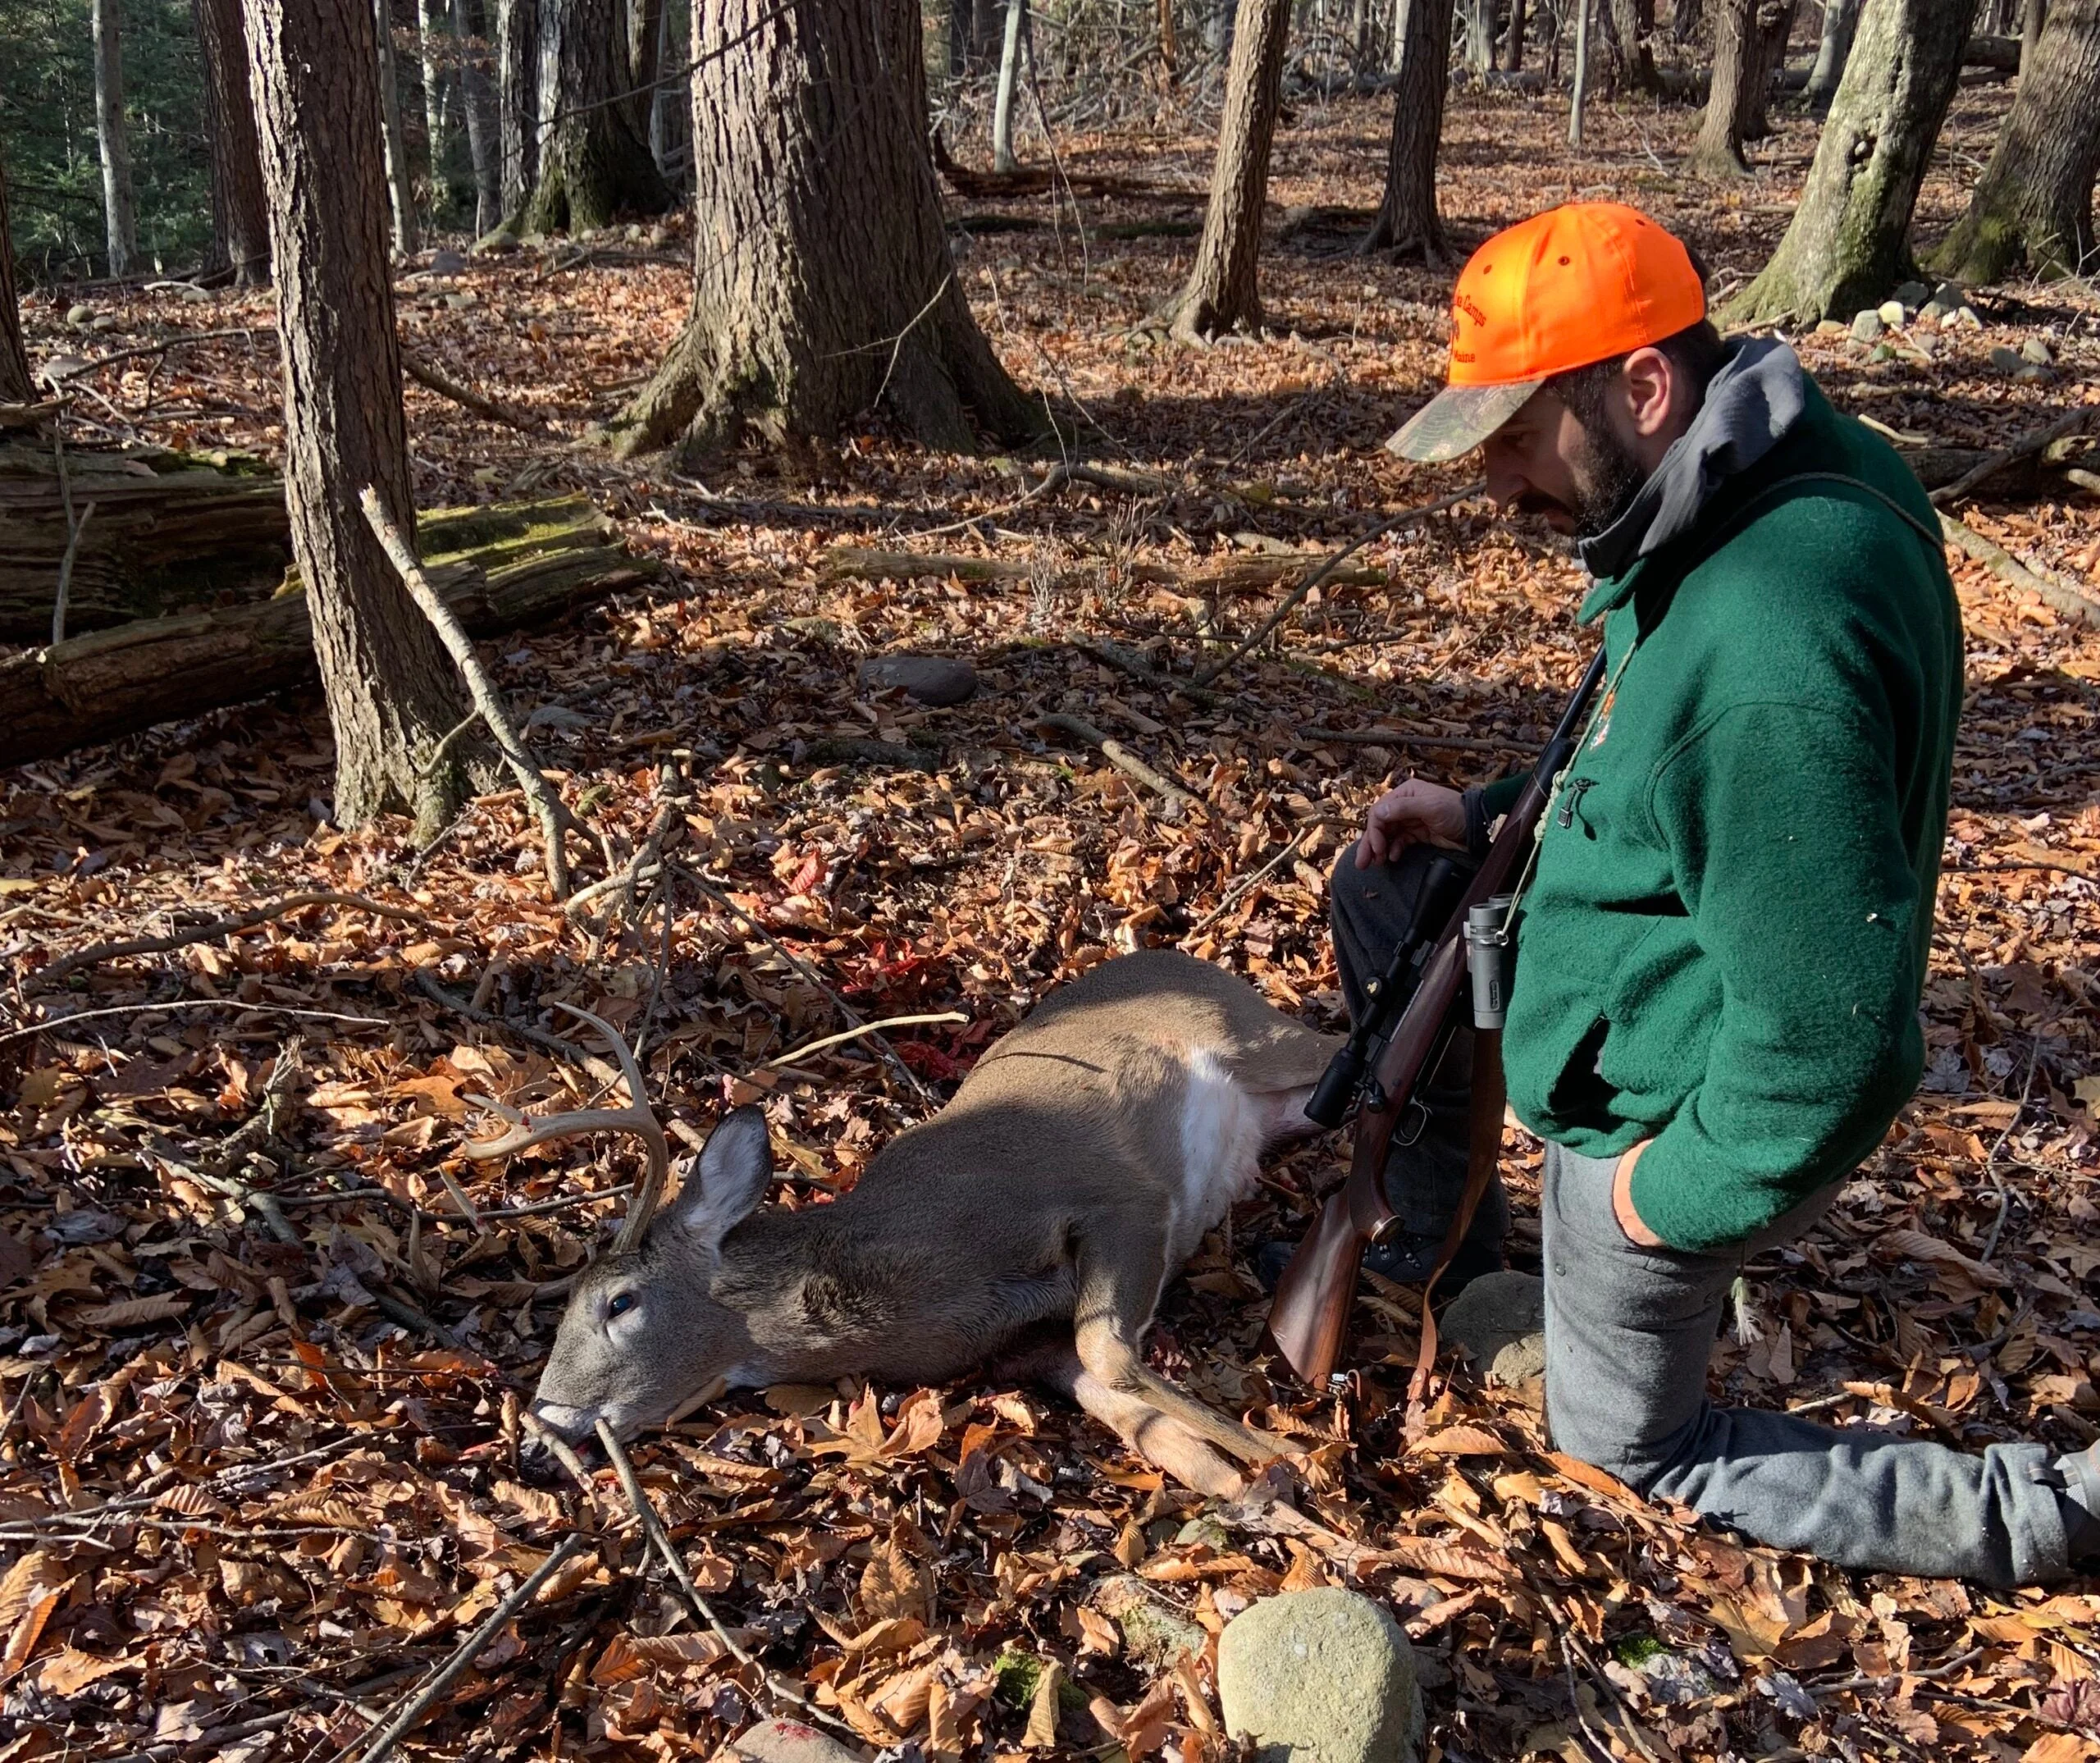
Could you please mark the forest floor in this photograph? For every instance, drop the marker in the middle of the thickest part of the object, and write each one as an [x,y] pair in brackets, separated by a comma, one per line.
[251,1490]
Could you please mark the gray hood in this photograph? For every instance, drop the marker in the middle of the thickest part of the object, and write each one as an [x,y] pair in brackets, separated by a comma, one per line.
[1755,399]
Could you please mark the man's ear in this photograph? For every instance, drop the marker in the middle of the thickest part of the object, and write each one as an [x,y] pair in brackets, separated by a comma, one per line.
[1650,381]
[730,1178]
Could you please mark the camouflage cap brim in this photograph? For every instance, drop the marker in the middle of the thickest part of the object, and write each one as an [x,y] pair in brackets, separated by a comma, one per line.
[1458,419]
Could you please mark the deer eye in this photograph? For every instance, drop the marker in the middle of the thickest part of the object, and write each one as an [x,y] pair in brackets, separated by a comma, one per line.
[619,1304]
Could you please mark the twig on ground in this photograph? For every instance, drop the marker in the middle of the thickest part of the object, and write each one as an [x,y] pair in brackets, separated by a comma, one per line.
[558,1448]
[1240,889]
[2061,595]
[218,927]
[1129,661]
[404,1719]
[427,377]
[400,1310]
[555,820]
[852,1016]
[80,367]
[656,1537]
[51,1025]
[553,1043]
[2034,441]
[66,575]
[1291,599]
[866,1028]
[1401,738]
[2004,1192]
[1179,801]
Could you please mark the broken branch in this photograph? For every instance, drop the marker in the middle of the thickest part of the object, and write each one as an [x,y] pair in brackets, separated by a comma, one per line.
[2082,608]
[428,378]
[218,927]
[2036,440]
[1178,799]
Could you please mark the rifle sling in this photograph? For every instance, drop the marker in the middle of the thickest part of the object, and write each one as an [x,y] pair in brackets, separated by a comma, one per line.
[1484,1153]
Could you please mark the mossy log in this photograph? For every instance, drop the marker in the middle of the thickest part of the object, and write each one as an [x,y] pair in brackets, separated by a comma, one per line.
[500,568]
[1226,575]
[170,530]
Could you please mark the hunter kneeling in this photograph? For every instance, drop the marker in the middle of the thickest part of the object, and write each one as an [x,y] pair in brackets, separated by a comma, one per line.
[1724,942]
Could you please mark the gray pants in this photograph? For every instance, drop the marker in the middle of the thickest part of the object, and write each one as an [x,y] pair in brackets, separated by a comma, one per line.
[1628,1334]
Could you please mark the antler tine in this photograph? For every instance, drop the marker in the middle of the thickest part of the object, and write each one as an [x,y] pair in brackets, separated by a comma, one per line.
[636,1117]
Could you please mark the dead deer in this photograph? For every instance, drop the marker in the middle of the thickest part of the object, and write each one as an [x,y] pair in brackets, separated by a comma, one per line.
[1034,1220]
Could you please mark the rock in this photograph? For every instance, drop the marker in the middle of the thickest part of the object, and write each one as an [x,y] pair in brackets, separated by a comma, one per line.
[1830,327]
[495,243]
[102,322]
[1949,294]
[1205,1529]
[1500,1319]
[2005,360]
[784,1742]
[931,678]
[1914,294]
[1155,1634]
[1884,351]
[658,237]
[447,264]
[2034,373]
[2037,350]
[1892,311]
[1867,325]
[1320,1677]
[195,295]
[465,300]
[1965,315]
[80,315]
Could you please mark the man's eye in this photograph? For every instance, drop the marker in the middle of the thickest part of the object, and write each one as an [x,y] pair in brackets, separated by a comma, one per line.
[621,1304]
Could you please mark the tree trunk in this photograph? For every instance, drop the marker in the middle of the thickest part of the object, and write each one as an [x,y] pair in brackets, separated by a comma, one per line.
[1579,96]
[1632,61]
[392,691]
[1513,38]
[2032,22]
[1480,35]
[2033,208]
[593,164]
[1718,153]
[241,220]
[120,218]
[644,59]
[810,153]
[1840,17]
[1684,20]
[1002,105]
[16,385]
[1774,27]
[1407,221]
[1847,244]
[470,30]
[500,569]
[440,127]
[1221,292]
[394,152]
[517,100]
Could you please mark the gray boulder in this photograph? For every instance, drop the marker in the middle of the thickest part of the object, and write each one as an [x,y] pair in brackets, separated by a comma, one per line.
[1499,1318]
[447,264]
[1867,325]
[2037,350]
[1914,294]
[784,1742]
[1320,1677]
[931,678]
[2006,360]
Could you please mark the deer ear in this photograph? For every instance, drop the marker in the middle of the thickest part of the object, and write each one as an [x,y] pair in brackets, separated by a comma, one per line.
[731,1177]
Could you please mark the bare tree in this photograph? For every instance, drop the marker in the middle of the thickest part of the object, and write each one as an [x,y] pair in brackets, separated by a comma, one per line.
[1408,220]
[517,100]
[1513,38]
[1840,18]
[593,161]
[1480,35]
[240,225]
[392,692]
[1633,61]
[1221,291]
[1773,29]
[2033,206]
[477,95]
[399,193]
[16,385]
[1578,97]
[119,215]
[1848,242]
[2033,17]
[822,281]
[1002,103]
[1718,152]
[440,103]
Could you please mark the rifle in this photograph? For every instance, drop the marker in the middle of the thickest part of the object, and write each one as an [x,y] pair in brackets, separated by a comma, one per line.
[1404,1033]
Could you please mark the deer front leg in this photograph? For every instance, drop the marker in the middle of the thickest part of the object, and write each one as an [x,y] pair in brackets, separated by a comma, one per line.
[1119,1283]
[1160,1440]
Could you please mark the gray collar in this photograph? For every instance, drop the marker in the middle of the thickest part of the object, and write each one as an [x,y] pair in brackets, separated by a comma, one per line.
[1757,396]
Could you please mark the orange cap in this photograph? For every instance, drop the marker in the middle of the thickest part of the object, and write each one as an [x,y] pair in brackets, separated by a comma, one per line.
[1573,285]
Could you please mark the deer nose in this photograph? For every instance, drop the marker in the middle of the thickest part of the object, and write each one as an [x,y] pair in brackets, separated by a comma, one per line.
[577,1425]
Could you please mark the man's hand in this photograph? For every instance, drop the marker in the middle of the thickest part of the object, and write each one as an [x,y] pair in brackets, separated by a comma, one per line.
[1622,1200]
[1416,813]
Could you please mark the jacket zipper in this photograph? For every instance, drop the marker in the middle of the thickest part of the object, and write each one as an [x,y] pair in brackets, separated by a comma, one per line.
[1576,786]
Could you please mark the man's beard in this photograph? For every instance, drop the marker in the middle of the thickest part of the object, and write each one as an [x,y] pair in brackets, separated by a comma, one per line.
[1607,477]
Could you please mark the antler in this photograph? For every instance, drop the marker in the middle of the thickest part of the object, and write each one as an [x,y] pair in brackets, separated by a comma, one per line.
[636,1117]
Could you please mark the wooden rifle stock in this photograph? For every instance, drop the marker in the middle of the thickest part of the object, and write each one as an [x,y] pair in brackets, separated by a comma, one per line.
[1308,1321]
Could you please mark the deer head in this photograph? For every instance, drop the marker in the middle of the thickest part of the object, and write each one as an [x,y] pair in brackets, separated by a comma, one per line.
[642,1338]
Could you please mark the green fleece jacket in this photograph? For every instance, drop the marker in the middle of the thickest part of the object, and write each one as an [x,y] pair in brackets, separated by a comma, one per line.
[1724,944]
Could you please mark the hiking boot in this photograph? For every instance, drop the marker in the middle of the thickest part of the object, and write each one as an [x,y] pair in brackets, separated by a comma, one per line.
[2081,1472]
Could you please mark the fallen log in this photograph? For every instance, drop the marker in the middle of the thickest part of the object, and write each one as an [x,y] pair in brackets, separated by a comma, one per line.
[499,568]
[2067,600]
[172,531]
[1228,575]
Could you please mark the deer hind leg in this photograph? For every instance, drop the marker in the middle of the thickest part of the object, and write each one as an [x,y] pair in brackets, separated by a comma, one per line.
[1119,1284]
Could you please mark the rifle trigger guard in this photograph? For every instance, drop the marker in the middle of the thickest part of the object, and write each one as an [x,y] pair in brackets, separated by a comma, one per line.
[1412,1124]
